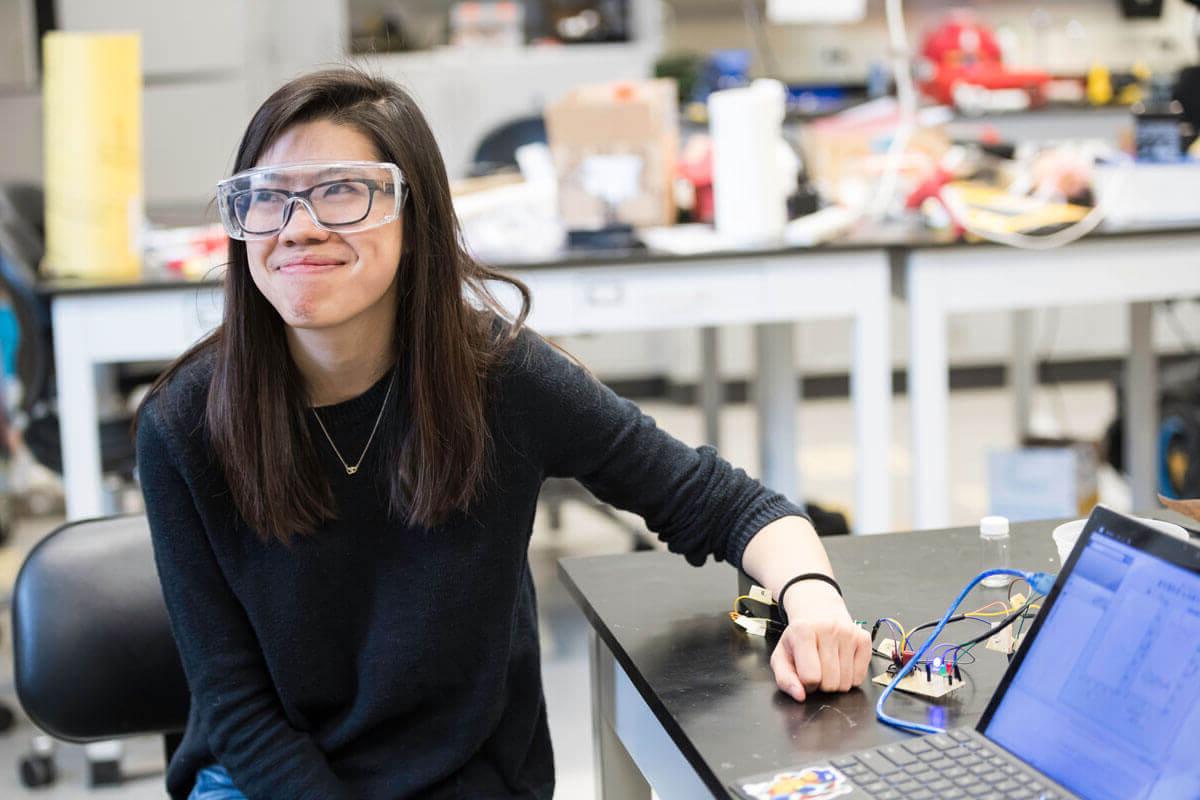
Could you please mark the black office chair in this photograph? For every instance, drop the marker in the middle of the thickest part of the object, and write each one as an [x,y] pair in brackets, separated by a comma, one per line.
[94,656]
[497,151]
[22,246]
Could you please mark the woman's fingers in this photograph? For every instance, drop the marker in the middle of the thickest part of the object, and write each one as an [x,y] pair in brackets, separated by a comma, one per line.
[824,655]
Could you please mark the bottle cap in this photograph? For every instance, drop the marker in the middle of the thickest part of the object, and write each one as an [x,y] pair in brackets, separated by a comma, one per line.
[993,527]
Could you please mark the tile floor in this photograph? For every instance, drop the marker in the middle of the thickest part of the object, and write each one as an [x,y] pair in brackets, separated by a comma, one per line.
[979,420]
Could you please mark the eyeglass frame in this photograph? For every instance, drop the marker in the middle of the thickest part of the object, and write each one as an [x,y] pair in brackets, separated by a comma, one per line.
[226,194]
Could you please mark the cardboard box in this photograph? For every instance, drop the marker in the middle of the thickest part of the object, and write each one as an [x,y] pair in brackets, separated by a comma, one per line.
[614,147]
[849,150]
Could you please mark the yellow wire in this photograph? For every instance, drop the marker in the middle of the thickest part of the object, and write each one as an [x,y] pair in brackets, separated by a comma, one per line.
[903,633]
[752,600]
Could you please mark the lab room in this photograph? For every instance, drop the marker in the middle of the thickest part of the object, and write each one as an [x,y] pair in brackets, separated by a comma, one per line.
[618,399]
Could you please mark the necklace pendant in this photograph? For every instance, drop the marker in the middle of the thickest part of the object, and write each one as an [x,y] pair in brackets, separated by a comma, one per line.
[351,470]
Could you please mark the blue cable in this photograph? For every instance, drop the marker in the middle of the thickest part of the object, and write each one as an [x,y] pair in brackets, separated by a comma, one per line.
[1041,582]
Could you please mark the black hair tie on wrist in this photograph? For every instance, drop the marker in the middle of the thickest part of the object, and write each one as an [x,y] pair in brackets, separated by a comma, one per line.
[808,576]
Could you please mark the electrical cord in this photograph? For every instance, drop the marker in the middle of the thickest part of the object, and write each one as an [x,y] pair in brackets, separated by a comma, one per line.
[961,617]
[1185,340]
[1041,582]
[979,614]
[1019,613]
[739,609]
[948,645]
[960,213]
[765,54]
[906,102]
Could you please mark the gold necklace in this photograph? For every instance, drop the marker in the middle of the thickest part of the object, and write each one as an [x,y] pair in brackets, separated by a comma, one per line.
[350,470]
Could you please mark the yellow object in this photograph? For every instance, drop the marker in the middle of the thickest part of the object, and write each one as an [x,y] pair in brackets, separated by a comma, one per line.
[994,210]
[1099,85]
[1136,91]
[92,106]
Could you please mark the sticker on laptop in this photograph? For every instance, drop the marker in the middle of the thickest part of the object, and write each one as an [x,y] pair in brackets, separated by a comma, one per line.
[822,782]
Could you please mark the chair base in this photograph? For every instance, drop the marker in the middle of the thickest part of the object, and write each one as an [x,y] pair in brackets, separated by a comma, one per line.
[104,773]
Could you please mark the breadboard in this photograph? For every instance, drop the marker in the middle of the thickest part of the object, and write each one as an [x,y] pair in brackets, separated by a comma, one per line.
[916,683]
[937,685]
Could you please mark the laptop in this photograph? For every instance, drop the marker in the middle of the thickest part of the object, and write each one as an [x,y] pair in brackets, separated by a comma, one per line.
[1102,700]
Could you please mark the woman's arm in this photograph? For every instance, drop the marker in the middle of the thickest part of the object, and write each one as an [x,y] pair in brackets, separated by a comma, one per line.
[697,503]
[230,687]
[821,648]
[694,500]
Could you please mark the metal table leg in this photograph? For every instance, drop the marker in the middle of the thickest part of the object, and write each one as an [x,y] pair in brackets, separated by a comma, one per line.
[710,385]
[617,776]
[1141,406]
[929,400]
[1022,372]
[871,394]
[777,397]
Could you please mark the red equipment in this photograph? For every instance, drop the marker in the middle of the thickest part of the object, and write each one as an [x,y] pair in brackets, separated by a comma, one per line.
[963,50]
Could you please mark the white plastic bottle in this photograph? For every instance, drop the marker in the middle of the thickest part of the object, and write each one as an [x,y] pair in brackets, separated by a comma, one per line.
[994,549]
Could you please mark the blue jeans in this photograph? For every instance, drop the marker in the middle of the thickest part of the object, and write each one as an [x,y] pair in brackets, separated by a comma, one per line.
[214,783]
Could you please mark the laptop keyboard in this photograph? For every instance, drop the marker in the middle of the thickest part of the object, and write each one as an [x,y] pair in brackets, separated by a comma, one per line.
[956,765]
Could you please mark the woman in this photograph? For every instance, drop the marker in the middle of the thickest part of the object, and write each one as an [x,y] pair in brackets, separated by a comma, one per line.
[341,483]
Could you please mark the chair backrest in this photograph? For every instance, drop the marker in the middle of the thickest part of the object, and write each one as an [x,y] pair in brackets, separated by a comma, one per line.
[22,245]
[22,209]
[95,658]
[498,149]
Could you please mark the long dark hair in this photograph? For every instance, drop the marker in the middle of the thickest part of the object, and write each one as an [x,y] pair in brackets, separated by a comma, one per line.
[256,416]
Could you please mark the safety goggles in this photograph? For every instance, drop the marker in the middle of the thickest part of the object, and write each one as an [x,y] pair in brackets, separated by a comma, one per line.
[339,196]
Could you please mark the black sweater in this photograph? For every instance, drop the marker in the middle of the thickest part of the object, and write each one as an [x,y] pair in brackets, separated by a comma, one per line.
[379,660]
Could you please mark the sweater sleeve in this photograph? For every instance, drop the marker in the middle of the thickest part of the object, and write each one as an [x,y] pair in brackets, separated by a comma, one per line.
[226,673]
[694,500]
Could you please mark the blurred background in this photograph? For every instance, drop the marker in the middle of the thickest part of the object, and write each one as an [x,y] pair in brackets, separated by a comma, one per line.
[909,262]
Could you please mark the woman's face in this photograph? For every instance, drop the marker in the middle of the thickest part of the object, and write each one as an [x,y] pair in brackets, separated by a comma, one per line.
[317,279]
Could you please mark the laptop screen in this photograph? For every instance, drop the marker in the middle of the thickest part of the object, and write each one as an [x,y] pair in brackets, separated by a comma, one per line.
[1106,698]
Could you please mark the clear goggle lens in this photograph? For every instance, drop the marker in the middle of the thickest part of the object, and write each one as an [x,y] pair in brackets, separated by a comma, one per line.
[344,196]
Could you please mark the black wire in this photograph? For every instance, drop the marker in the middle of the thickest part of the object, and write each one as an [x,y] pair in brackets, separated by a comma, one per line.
[1049,340]
[755,23]
[934,623]
[992,631]
[1001,625]
[1176,324]
[1014,583]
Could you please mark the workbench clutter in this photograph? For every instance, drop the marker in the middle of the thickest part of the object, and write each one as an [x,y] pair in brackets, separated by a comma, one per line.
[847,155]
[614,147]
[753,168]
[92,117]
